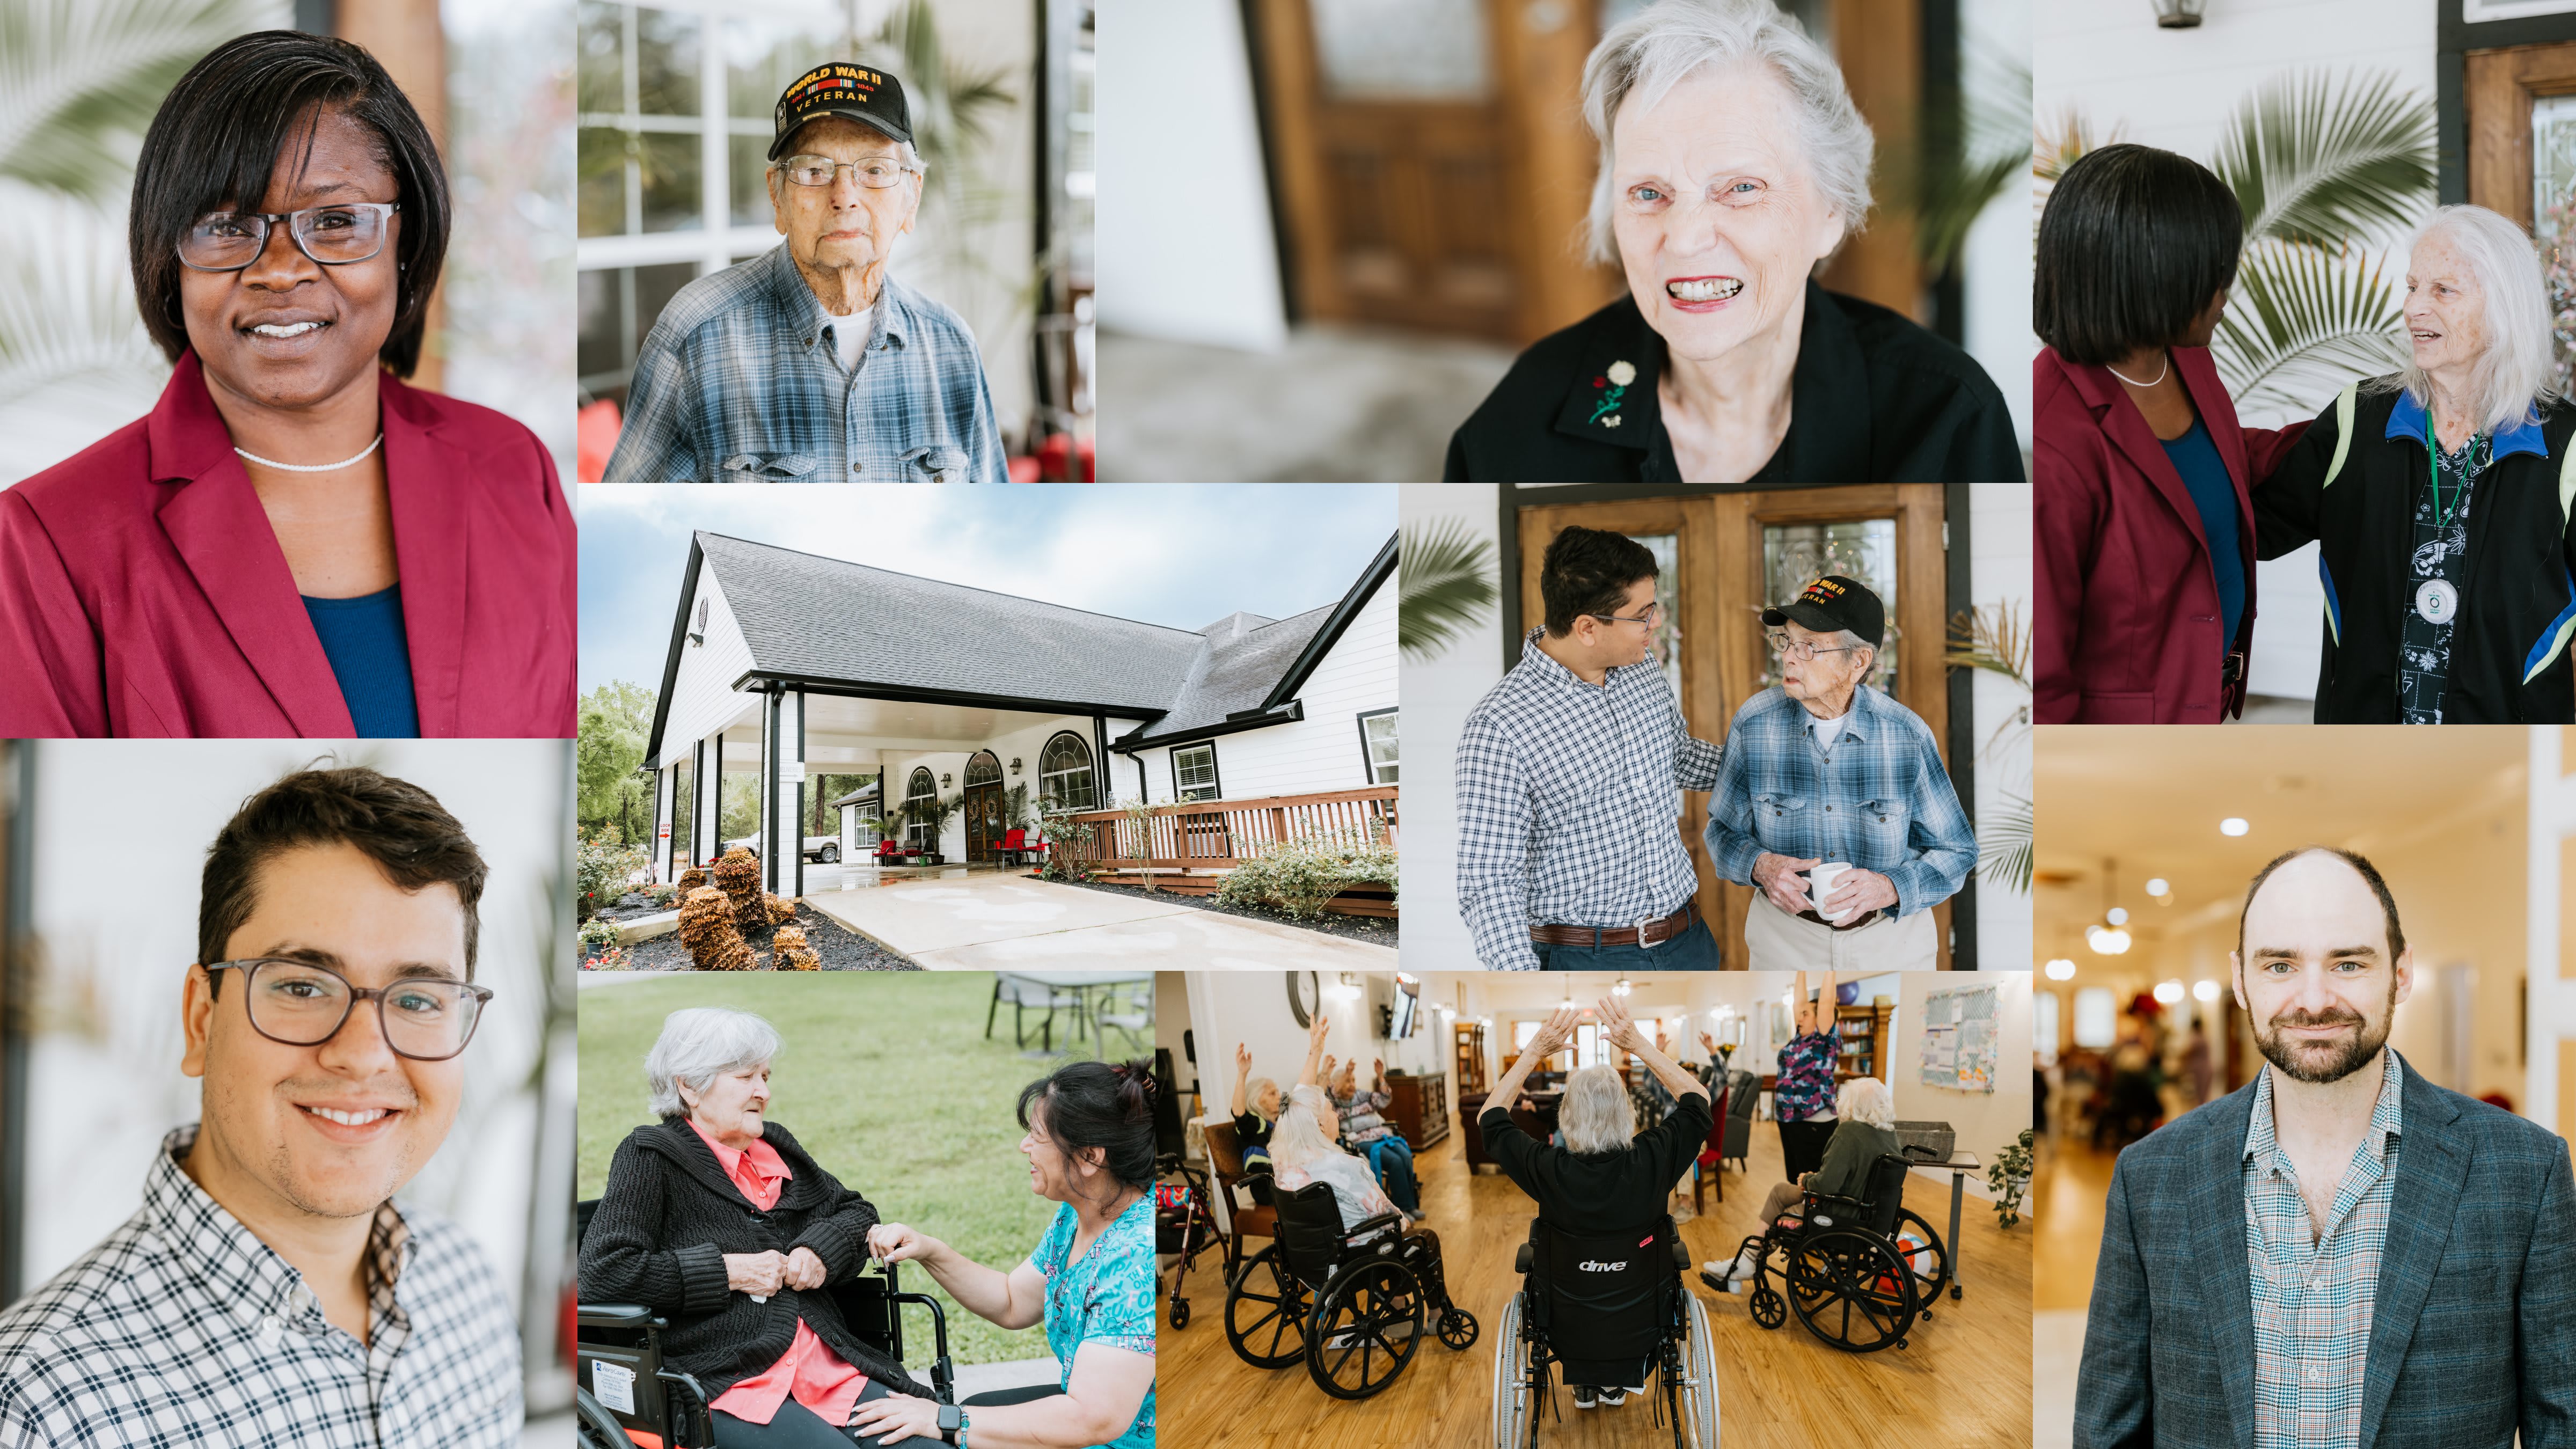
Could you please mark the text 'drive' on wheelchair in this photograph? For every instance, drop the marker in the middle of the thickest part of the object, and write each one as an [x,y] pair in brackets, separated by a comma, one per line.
[1858,1273]
[626,1399]
[1607,1310]
[1354,1313]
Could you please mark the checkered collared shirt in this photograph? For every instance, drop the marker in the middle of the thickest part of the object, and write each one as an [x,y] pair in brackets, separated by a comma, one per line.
[1568,798]
[184,1329]
[1880,800]
[739,382]
[2313,1298]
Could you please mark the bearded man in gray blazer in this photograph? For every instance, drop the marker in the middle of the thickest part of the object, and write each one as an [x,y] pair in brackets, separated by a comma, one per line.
[2339,1255]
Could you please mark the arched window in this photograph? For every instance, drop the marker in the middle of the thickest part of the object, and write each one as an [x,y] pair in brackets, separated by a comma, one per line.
[984,769]
[1064,773]
[922,786]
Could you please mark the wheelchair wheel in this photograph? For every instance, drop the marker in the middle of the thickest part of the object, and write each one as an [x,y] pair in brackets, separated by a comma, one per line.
[1928,1283]
[1366,1325]
[1180,1313]
[1265,1313]
[1515,1402]
[1457,1328]
[597,1427]
[1699,1391]
[1852,1290]
[1768,1308]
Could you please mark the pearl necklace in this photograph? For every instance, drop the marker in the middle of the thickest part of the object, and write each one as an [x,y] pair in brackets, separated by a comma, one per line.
[312,467]
[2133,382]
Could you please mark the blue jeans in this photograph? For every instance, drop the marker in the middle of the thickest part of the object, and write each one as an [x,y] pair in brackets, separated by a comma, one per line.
[1391,1158]
[1692,950]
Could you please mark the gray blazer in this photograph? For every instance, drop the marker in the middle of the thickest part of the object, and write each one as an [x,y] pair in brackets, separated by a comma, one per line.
[2473,1334]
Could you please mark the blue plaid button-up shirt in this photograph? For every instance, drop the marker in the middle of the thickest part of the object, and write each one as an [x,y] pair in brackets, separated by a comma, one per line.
[2313,1293]
[1880,800]
[1569,796]
[739,382]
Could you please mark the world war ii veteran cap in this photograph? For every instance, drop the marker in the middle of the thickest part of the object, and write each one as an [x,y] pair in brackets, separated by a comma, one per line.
[861,93]
[1832,604]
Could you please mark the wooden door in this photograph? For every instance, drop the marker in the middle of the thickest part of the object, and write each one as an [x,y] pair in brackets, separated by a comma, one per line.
[1723,558]
[2521,112]
[983,820]
[1431,161]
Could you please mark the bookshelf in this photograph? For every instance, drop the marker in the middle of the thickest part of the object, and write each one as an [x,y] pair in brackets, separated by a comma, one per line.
[1863,1030]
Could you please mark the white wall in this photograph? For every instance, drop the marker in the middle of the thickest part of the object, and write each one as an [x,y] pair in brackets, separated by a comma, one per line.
[1183,229]
[1226,1009]
[1986,1123]
[1999,562]
[1996,271]
[702,695]
[1437,695]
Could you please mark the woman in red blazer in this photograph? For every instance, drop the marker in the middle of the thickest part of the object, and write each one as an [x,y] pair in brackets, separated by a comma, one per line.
[2143,527]
[293,542]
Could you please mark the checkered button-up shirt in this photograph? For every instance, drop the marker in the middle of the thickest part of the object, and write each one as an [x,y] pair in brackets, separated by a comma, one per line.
[1879,800]
[1568,798]
[740,382]
[2313,1295]
[184,1329]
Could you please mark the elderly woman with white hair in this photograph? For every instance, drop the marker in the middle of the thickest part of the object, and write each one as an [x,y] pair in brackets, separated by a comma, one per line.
[2440,498]
[1864,1132]
[716,1219]
[1733,164]
[1608,1176]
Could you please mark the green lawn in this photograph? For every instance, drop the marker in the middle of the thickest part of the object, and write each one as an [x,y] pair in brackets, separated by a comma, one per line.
[887,1080]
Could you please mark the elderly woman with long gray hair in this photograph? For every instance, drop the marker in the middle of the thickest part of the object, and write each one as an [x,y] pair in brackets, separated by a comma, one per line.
[2440,498]
[1608,1176]
[1864,1132]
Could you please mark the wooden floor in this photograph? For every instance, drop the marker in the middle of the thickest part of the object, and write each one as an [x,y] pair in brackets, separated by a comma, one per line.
[2067,1188]
[1962,1380]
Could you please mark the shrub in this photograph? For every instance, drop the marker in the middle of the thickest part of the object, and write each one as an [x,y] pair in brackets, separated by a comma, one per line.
[737,874]
[788,951]
[706,929]
[596,937]
[601,872]
[663,896]
[1300,876]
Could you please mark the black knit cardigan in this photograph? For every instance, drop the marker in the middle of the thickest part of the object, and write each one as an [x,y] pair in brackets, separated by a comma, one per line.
[669,1216]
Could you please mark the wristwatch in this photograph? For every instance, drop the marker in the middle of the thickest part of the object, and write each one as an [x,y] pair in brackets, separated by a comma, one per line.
[952,1425]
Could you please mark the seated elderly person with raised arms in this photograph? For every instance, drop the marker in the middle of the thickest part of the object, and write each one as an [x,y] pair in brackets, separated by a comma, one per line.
[810,364]
[1733,164]
[1607,1177]
[1865,1117]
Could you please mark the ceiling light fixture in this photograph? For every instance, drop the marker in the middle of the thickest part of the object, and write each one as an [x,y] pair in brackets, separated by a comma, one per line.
[2060,969]
[2205,990]
[2233,825]
[2168,992]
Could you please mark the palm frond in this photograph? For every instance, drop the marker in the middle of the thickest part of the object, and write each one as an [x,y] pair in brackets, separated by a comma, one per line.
[1974,141]
[2327,161]
[81,79]
[2067,138]
[2301,323]
[74,358]
[1993,639]
[2004,854]
[1445,581]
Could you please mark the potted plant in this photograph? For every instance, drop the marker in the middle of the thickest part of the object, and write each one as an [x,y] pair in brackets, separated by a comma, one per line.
[2010,1179]
[933,814]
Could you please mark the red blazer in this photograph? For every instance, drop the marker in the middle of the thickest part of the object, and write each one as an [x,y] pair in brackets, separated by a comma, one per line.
[142,591]
[2127,627]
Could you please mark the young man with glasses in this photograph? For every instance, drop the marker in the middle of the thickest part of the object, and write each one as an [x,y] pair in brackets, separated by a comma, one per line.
[809,364]
[1824,771]
[1569,777]
[269,1291]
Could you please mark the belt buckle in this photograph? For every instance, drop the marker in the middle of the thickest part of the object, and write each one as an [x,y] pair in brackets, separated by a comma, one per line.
[1642,943]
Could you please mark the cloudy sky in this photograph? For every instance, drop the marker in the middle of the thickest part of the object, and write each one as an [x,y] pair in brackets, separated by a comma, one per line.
[1179,555]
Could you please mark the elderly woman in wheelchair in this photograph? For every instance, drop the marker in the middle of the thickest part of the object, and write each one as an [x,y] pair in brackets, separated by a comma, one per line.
[1602,1300]
[1348,1283]
[1859,1265]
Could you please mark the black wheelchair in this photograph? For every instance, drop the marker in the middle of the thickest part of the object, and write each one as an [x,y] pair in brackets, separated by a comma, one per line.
[1594,1310]
[624,1397]
[1858,1272]
[1354,1314]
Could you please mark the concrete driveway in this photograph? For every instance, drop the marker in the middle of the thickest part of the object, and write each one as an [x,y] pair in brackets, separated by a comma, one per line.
[1009,922]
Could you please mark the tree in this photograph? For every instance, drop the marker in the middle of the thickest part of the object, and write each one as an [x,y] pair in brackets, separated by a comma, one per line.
[615,719]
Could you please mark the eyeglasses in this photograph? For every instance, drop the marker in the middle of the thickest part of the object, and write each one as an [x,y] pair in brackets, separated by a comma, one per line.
[1800,651]
[350,231]
[1654,615]
[297,1004]
[876,173]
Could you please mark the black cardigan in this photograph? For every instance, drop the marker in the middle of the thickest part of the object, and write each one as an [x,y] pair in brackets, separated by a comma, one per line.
[1874,399]
[2510,655]
[664,1224]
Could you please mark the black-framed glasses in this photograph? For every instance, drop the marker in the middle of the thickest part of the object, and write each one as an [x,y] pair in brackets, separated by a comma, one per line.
[1800,650]
[334,235]
[876,173]
[1654,615]
[297,1003]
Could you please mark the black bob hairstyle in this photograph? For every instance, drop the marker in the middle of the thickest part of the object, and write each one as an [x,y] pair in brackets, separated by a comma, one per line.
[2134,243]
[1096,1104]
[233,120]
[1589,571]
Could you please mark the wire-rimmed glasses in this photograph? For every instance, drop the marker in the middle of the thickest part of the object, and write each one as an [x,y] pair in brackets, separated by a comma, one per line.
[296,1003]
[1802,650]
[876,173]
[1654,615]
[334,235]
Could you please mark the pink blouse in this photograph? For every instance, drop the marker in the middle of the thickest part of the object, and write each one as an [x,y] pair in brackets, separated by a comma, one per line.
[809,1371]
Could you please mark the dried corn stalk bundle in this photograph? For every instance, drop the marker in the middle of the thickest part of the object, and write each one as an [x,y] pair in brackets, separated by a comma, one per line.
[691,879]
[737,874]
[788,951]
[780,912]
[706,928]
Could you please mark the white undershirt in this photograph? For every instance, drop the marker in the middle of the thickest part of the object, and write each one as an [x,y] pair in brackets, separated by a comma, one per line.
[850,335]
[1827,730]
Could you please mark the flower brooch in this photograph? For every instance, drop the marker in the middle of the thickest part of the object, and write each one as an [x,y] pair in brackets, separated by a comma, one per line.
[1613,387]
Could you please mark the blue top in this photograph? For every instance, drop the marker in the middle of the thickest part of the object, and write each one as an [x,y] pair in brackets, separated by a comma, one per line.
[363,637]
[1106,1296]
[2195,457]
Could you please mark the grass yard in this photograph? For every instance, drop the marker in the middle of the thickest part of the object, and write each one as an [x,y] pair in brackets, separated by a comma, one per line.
[888,1081]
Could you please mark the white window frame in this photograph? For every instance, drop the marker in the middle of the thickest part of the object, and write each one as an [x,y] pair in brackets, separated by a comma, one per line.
[1090,772]
[1182,790]
[1369,762]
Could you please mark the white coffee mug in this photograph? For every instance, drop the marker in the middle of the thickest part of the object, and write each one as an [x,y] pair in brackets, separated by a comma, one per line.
[1820,884]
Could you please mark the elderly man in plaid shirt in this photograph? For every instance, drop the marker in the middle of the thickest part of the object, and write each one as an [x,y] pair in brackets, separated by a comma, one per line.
[270,1292]
[1832,789]
[1569,775]
[809,364]
[2338,1253]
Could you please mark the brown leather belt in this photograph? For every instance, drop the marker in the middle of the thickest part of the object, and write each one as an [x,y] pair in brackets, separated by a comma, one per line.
[1863,919]
[1646,933]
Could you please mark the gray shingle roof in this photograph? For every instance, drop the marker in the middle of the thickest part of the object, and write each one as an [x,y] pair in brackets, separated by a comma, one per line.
[1238,664]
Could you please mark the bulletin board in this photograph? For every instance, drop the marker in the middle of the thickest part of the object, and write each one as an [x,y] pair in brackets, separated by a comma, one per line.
[1959,1039]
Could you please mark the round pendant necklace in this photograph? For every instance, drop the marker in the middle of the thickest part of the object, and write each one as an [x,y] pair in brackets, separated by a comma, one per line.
[312,467]
[2437,601]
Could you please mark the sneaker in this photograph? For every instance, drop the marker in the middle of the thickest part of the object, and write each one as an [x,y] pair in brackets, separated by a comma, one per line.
[1613,1398]
[1586,1397]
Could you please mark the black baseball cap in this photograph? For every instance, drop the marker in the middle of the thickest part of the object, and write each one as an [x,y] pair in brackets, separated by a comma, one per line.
[861,93]
[1832,604]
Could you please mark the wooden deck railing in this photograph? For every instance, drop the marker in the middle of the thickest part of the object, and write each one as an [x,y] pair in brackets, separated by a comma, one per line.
[1212,835]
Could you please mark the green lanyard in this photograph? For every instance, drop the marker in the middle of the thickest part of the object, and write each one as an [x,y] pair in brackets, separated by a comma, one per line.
[2433,466]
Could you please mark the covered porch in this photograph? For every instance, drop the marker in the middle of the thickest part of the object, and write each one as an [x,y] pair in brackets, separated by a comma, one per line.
[1188,848]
